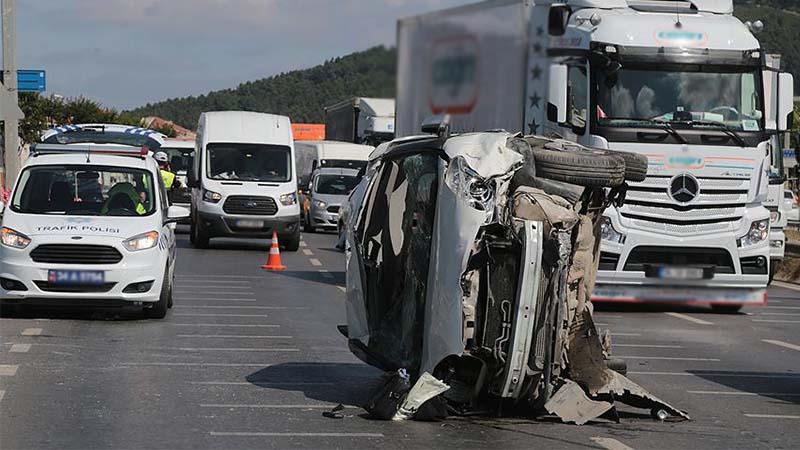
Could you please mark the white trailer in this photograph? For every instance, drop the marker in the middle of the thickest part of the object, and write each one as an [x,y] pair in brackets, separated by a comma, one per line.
[682,82]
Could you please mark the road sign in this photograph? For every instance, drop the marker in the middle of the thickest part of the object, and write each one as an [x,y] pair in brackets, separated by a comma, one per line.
[31,81]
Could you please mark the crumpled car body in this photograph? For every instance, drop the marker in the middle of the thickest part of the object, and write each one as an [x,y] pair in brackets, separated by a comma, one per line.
[463,264]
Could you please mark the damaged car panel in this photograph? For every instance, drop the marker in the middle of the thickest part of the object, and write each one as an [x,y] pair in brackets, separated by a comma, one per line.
[471,259]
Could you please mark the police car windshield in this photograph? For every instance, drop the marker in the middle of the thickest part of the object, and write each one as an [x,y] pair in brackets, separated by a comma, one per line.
[249,162]
[84,190]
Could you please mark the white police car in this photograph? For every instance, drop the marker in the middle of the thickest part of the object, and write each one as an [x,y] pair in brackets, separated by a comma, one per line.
[89,220]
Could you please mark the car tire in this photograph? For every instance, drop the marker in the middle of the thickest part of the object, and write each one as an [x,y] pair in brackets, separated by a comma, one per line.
[292,244]
[773,268]
[726,308]
[578,165]
[307,227]
[198,236]
[159,308]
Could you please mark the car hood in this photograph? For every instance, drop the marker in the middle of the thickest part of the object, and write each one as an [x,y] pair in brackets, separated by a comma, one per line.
[39,225]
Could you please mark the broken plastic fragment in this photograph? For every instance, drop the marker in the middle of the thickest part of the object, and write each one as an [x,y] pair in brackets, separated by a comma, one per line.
[571,404]
[387,400]
[630,393]
[424,389]
[334,413]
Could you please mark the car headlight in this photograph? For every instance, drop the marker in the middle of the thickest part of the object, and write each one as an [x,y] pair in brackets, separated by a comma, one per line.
[288,199]
[320,204]
[13,238]
[759,231]
[608,233]
[774,216]
[141,241]
[471,188]
[211,196]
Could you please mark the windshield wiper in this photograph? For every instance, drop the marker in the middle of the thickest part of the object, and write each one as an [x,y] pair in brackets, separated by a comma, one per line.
[720,126]
[669,129]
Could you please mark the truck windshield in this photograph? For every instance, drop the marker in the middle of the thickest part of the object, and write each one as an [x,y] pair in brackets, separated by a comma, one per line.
[249,162]
[84,190]
[335,184]
[637,96]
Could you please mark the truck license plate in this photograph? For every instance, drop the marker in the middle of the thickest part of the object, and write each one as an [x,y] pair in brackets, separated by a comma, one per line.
[250,223]
[681,273]
[76,277]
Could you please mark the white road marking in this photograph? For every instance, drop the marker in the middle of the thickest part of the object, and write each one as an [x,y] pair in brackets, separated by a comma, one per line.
[689,318]
[216,299]
[782,344]
[779,314]
[200,364]
[265,434]
[237,307]
[31,331]
[303,244]
[213,287]
[221,294]
[606,316]
[749,394]
[342,288]
[205,277]
[243,325]
[783,307]
[610,444]
[2,394]
[791,287]
[771,416]
[776,321]
[219,315]
[264,406]
[8,370]
[307,252]
[315,262]
[214,349]
[232,336]
[20,348]
[202,280]
[625,334]
[668,358]
[718,375]
[601,324]
[646,345]
[264,383]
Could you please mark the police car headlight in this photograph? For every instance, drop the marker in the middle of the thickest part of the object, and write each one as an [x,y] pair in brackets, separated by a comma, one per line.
[608,233]
[13,238]
[774,216]
[759,231]
[141,241]
[320,204]
[211,196]
[289,199]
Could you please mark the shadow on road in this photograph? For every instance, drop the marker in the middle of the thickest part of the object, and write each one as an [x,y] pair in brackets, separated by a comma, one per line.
[72,312]
[345,383]
[764,384]
[333,279]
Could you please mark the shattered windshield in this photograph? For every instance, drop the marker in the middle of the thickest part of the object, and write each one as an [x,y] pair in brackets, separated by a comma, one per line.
[641,96]
[249,162]
[335,184]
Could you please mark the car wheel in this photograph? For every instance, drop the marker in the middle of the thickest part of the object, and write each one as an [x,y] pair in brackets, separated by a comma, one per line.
[773,267]
[159,309]
[307,227]
[197,235]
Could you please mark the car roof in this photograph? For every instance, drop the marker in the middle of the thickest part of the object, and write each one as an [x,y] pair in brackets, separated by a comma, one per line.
[146,163]
[177,143]
[152,139]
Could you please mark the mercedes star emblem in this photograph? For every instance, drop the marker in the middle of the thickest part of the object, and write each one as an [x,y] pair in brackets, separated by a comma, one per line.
[684,188]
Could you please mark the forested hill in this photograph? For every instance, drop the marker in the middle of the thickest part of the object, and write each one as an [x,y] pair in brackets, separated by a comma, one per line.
[302,94]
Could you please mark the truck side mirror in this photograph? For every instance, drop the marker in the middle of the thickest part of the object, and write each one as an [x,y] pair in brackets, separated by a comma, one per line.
[557,94]
[785,101]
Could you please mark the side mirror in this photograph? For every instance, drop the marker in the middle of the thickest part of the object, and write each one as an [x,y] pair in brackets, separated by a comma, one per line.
[785,101]
[558,19]
[176,214]
[191,181]
[557,94]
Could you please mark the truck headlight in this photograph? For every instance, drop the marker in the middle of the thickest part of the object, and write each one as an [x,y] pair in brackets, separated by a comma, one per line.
[288,199]
[141,241]
[320,204]
[608,233]
[211,196]
[774,216]
[759,231]
[13,238]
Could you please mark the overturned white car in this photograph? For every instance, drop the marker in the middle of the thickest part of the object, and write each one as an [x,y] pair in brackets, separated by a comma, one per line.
[472,258]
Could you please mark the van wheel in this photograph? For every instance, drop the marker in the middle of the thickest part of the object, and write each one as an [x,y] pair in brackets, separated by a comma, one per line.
[292,244]
[578,165]
[197,235]
[159,309]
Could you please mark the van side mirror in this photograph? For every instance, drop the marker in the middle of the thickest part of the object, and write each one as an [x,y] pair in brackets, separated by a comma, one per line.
[557,94]
[191,180]
[785,101]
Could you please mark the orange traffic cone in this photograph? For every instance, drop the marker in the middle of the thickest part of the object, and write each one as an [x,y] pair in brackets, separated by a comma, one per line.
[274,259]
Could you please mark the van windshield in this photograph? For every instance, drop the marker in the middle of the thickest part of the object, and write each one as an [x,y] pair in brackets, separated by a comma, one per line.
[335,184]
[84,190]
[249,162]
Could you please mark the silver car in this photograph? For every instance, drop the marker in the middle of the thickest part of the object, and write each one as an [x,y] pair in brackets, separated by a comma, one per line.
[328,190]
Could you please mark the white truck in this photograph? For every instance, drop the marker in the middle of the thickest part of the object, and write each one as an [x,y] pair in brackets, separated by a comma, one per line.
[360,120]
[681,82]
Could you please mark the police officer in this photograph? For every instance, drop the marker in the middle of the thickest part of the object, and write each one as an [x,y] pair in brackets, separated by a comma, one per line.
[166,174]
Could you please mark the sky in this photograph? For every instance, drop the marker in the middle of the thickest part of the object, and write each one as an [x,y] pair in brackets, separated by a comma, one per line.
[126,53]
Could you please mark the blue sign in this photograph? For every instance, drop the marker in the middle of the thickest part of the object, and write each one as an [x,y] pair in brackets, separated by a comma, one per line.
[31,81]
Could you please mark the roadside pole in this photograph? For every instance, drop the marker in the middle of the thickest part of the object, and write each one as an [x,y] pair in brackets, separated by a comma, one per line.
[9,99]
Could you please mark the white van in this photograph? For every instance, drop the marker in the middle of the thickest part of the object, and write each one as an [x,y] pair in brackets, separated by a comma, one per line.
[89,221]
[243,179]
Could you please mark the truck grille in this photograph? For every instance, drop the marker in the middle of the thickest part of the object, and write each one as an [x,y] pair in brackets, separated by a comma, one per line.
[251,206]
[679,256]
[76,254]
[100,288]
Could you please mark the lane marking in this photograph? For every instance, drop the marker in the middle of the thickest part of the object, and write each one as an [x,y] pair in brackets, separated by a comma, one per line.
[646,345]
[218,315]
[2,394]
[265,434]
[689,318]
[203,280]
[315,262]
[342,288]
[307,252]
[606,316]
[719,375]
[609,443]
[783,307]
[303,244]
[237,307]
[626,334]
[248,300]
[20,348]
[232,336]
[242,325]
[771,416]
[779,314]
[601,324]
[791,287]
[748,394]
[264,383]
[31,331]
[217,287]
[669,358]
[8,370]
[782,344]
[200,364]
[776,321]
[217,349]
[263,406]
[205,277]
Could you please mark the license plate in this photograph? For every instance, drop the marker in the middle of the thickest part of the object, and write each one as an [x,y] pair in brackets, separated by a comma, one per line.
[76,277]
[681,273]
[250,223]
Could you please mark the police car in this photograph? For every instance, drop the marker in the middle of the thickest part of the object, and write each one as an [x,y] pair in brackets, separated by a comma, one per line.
[89,219]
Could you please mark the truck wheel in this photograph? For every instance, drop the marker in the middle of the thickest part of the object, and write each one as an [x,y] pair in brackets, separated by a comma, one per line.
[726,308]
[578,165]
[197,235]
[635,165]
[159,309]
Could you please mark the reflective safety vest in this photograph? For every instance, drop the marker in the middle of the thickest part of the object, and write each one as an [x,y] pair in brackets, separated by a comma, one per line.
[168,177]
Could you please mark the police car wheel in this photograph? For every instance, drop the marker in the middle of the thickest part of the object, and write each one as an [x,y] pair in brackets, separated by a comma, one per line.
[159,308]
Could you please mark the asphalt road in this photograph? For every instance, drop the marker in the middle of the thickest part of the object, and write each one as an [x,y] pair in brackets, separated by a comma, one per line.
[251,359]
